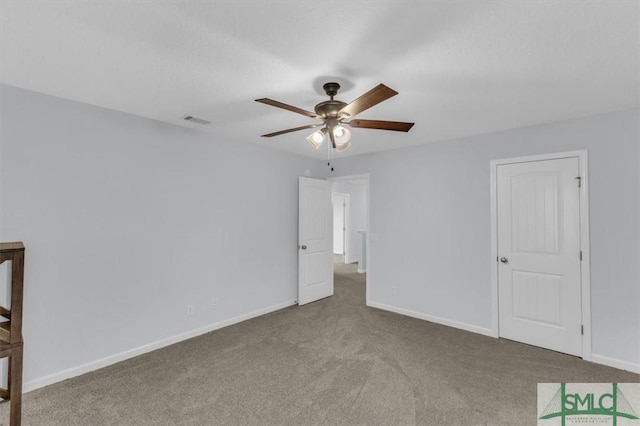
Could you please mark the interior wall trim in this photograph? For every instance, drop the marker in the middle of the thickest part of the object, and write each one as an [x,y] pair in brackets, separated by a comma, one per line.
[615,363]
[131,353]
[432,318]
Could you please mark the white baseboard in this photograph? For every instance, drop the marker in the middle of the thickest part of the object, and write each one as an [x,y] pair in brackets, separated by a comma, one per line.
[431,318]
[362,271]
[122,356]
[615,363]
[112,359]
[597,359]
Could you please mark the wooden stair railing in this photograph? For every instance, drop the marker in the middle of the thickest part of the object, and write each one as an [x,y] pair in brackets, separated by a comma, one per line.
[11,330]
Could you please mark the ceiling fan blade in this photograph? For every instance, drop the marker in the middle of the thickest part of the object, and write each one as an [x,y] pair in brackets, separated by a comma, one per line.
[398,126]
[277,104]
[372,97]
[295,129]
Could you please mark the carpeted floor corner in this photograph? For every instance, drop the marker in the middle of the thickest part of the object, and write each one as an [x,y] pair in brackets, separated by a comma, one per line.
[332,362]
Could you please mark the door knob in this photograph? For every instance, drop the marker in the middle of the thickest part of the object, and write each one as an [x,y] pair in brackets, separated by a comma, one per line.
[504,260]
[303,247]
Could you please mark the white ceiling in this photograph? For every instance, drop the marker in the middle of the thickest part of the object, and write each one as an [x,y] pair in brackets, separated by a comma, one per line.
[461,68]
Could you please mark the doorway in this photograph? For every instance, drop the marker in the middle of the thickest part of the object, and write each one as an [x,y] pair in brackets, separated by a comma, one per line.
[341,229]
[540,262]
[356,256]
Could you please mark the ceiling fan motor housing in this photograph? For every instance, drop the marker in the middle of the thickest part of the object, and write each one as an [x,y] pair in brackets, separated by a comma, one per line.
[329,108]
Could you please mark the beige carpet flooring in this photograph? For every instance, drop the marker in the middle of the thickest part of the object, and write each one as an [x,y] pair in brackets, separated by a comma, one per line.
[332,362]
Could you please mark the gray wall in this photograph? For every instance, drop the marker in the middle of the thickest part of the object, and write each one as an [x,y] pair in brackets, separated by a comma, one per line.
[430,207]
[126,221]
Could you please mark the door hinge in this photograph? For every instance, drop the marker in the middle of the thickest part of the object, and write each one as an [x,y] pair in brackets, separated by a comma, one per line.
[497,259]
[579,179]
[582,330]
[581,255]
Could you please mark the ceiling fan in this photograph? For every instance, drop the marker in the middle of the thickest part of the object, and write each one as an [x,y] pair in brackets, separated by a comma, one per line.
[334,114]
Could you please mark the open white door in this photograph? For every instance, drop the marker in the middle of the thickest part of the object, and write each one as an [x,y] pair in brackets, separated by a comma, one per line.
[315,240]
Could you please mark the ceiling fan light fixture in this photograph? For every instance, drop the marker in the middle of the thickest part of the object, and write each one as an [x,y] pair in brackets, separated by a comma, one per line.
[316,138]
[343,147]
[342,136]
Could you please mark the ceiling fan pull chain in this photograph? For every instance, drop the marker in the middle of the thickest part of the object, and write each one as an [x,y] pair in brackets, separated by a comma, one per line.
[329,156]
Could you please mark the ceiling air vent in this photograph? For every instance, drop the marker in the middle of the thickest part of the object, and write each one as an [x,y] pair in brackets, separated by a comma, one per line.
[197,120]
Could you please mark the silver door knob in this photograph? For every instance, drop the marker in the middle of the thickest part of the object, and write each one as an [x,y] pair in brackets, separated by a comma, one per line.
[504,260]
[303,247]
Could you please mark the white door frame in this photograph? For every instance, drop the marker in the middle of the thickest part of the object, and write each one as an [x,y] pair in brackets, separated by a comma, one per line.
[345,220]
[362,177]
[585,270]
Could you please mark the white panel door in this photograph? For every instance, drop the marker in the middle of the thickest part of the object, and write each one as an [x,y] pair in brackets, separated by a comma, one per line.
[539,288]
[315,235]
